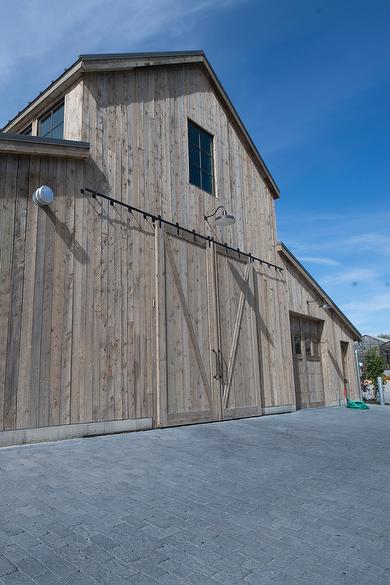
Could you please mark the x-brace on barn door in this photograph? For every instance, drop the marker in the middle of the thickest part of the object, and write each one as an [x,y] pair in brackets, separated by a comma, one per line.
[208,361]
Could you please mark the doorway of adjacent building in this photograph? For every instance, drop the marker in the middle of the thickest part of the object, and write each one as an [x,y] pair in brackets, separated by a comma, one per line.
[306,349]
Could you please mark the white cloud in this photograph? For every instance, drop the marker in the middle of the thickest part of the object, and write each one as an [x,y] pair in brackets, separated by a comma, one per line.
[380,302]
[371,313]
[371,241]
[356,275]
[319,260]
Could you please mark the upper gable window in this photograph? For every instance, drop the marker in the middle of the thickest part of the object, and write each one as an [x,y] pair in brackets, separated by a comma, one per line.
[200,146]
[51,125]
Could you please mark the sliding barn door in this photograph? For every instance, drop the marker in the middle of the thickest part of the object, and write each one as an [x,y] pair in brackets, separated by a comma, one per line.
[238,347]
[208,361]
[188,391]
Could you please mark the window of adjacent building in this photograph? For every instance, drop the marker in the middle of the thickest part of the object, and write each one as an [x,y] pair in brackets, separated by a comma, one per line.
[200,147]
[297,349]
[27,131]
[51,125]
[315,347]
[308,346]
[306,338]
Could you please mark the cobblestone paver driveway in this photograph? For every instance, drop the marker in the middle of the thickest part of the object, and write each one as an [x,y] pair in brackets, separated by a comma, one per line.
[301,498]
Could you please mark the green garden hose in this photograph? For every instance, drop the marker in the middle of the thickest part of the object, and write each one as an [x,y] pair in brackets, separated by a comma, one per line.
[359,404]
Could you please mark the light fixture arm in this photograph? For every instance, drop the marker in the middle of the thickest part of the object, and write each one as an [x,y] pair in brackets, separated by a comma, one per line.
[321,303]
[207,217]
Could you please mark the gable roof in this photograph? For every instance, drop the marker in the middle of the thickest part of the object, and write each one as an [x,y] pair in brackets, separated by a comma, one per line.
[123,61]
[284,251]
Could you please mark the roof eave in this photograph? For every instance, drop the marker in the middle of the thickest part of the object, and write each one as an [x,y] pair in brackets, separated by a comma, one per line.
[282,249]
[38,146]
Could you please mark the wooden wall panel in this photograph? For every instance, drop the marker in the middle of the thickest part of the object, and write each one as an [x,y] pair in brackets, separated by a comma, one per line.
[73,112]
[77,334]
[274,338]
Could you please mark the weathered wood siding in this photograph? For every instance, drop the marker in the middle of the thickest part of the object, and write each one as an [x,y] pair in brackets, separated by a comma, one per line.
[334,331]
[77,338]
[274,339]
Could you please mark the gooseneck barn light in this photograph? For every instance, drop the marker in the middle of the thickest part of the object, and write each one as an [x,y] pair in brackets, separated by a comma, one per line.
[43,195]
[223,218]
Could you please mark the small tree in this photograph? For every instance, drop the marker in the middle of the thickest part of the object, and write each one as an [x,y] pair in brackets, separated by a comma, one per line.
[374,365]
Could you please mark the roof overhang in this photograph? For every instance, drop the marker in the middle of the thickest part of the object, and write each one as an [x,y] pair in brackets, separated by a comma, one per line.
[37,146]
[128,61]
[289,256]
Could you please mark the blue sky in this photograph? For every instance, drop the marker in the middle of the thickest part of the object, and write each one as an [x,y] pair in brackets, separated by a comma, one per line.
[311,82]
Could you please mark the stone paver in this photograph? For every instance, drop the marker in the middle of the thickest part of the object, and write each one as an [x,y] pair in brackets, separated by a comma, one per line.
[297,498]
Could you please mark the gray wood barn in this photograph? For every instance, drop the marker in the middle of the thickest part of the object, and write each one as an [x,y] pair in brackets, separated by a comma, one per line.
[111,319]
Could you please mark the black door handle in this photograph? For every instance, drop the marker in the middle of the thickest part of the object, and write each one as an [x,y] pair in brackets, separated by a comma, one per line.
[217,375]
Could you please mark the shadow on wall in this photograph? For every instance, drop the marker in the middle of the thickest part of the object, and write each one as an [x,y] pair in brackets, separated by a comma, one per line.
[118,215]
[335,364]
[251,297]
[108,214]
[67,236]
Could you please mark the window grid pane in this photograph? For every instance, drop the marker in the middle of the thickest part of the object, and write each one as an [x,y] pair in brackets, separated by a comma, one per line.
[207,182]
[58,116]
[57,132]
[51,125]
[207,163]
[195,176]
[44,126]
[205,142]
[27,131]
[194,156]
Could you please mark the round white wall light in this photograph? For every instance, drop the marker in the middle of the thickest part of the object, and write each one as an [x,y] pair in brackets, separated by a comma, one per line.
[43,195]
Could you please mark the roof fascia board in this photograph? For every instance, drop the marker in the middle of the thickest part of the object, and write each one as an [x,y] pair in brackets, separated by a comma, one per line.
[282,249]
[128,64]
[144,55]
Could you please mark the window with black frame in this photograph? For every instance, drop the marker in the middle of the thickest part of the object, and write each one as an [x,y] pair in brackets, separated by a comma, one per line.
[51,125]
[200,146]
